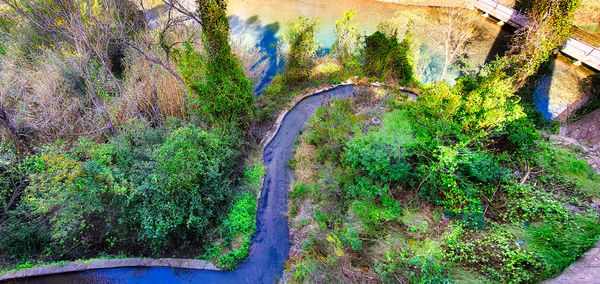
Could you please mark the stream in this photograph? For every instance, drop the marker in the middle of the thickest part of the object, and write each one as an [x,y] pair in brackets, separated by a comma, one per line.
[263,21]
[270,245]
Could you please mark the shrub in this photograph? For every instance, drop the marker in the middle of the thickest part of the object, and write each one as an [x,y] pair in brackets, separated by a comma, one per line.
[381,154]
[468,112]
[387,58]
[410,267]
[193,185]
[239,227]
[527,203]
[330,128]
[524,137]
[300,36]
[494,253]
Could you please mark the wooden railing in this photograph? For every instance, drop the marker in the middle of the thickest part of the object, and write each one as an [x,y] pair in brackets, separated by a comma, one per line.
[581,51]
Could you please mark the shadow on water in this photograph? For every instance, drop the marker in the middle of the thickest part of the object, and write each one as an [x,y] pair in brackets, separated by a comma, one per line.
[542,91]
[265,38]
[501,43]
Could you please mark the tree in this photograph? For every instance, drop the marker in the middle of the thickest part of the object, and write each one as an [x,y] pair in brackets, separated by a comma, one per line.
[303,47]
[549,26]
[387,58]
[347,37]
[454,32]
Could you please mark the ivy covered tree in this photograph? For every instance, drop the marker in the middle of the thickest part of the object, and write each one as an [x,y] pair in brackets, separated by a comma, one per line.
[548,28]
[223,93]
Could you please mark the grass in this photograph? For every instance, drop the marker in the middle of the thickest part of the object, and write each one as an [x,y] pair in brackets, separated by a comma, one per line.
[559,250]
[28,264]
[566,165]
[239,225]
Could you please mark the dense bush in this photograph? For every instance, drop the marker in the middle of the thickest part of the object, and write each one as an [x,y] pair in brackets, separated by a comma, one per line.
[330,128]
[387,58]
[194,175]
[303,46]
[381,154]
[145,192]
[494,253]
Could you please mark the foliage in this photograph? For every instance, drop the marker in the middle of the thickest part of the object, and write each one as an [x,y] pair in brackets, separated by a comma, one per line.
[524,203]
[548,28]
[142,193]
[419,269]
[347,39]
[382,154]
[468,112]
[222,92]
[239,225]
[300,36]
[193,177]
[387,58]
[494,253]
[330,128]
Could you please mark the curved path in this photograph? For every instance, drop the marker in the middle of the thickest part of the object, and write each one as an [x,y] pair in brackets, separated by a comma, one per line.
[270,245]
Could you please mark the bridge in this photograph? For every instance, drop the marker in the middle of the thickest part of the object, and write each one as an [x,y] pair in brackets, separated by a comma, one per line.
[582,52]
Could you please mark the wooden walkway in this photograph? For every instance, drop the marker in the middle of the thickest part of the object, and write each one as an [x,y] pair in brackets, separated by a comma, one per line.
[581,51]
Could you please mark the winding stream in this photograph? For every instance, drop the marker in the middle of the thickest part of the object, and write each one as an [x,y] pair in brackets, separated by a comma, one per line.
[270,245]
[263,21]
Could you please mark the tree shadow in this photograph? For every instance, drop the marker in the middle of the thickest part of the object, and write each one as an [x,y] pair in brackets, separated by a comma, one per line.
[501,43]
[266,39]
[542,100]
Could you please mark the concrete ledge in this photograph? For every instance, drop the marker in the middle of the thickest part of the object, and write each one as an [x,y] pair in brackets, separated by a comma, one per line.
[315,91]
[292,104]
[77,266]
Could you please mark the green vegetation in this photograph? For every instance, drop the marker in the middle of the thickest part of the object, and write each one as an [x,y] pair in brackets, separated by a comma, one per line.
[167,179]
[122,140]
[457,186]
[239,225]
[387,58]
[411,205]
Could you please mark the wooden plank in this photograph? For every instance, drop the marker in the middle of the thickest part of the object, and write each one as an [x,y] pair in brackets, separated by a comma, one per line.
[575,48]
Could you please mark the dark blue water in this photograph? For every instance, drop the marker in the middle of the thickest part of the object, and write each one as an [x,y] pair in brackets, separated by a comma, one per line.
[270,245]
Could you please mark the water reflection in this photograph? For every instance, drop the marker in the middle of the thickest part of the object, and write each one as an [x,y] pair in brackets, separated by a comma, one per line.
[263,37]
[542,94]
